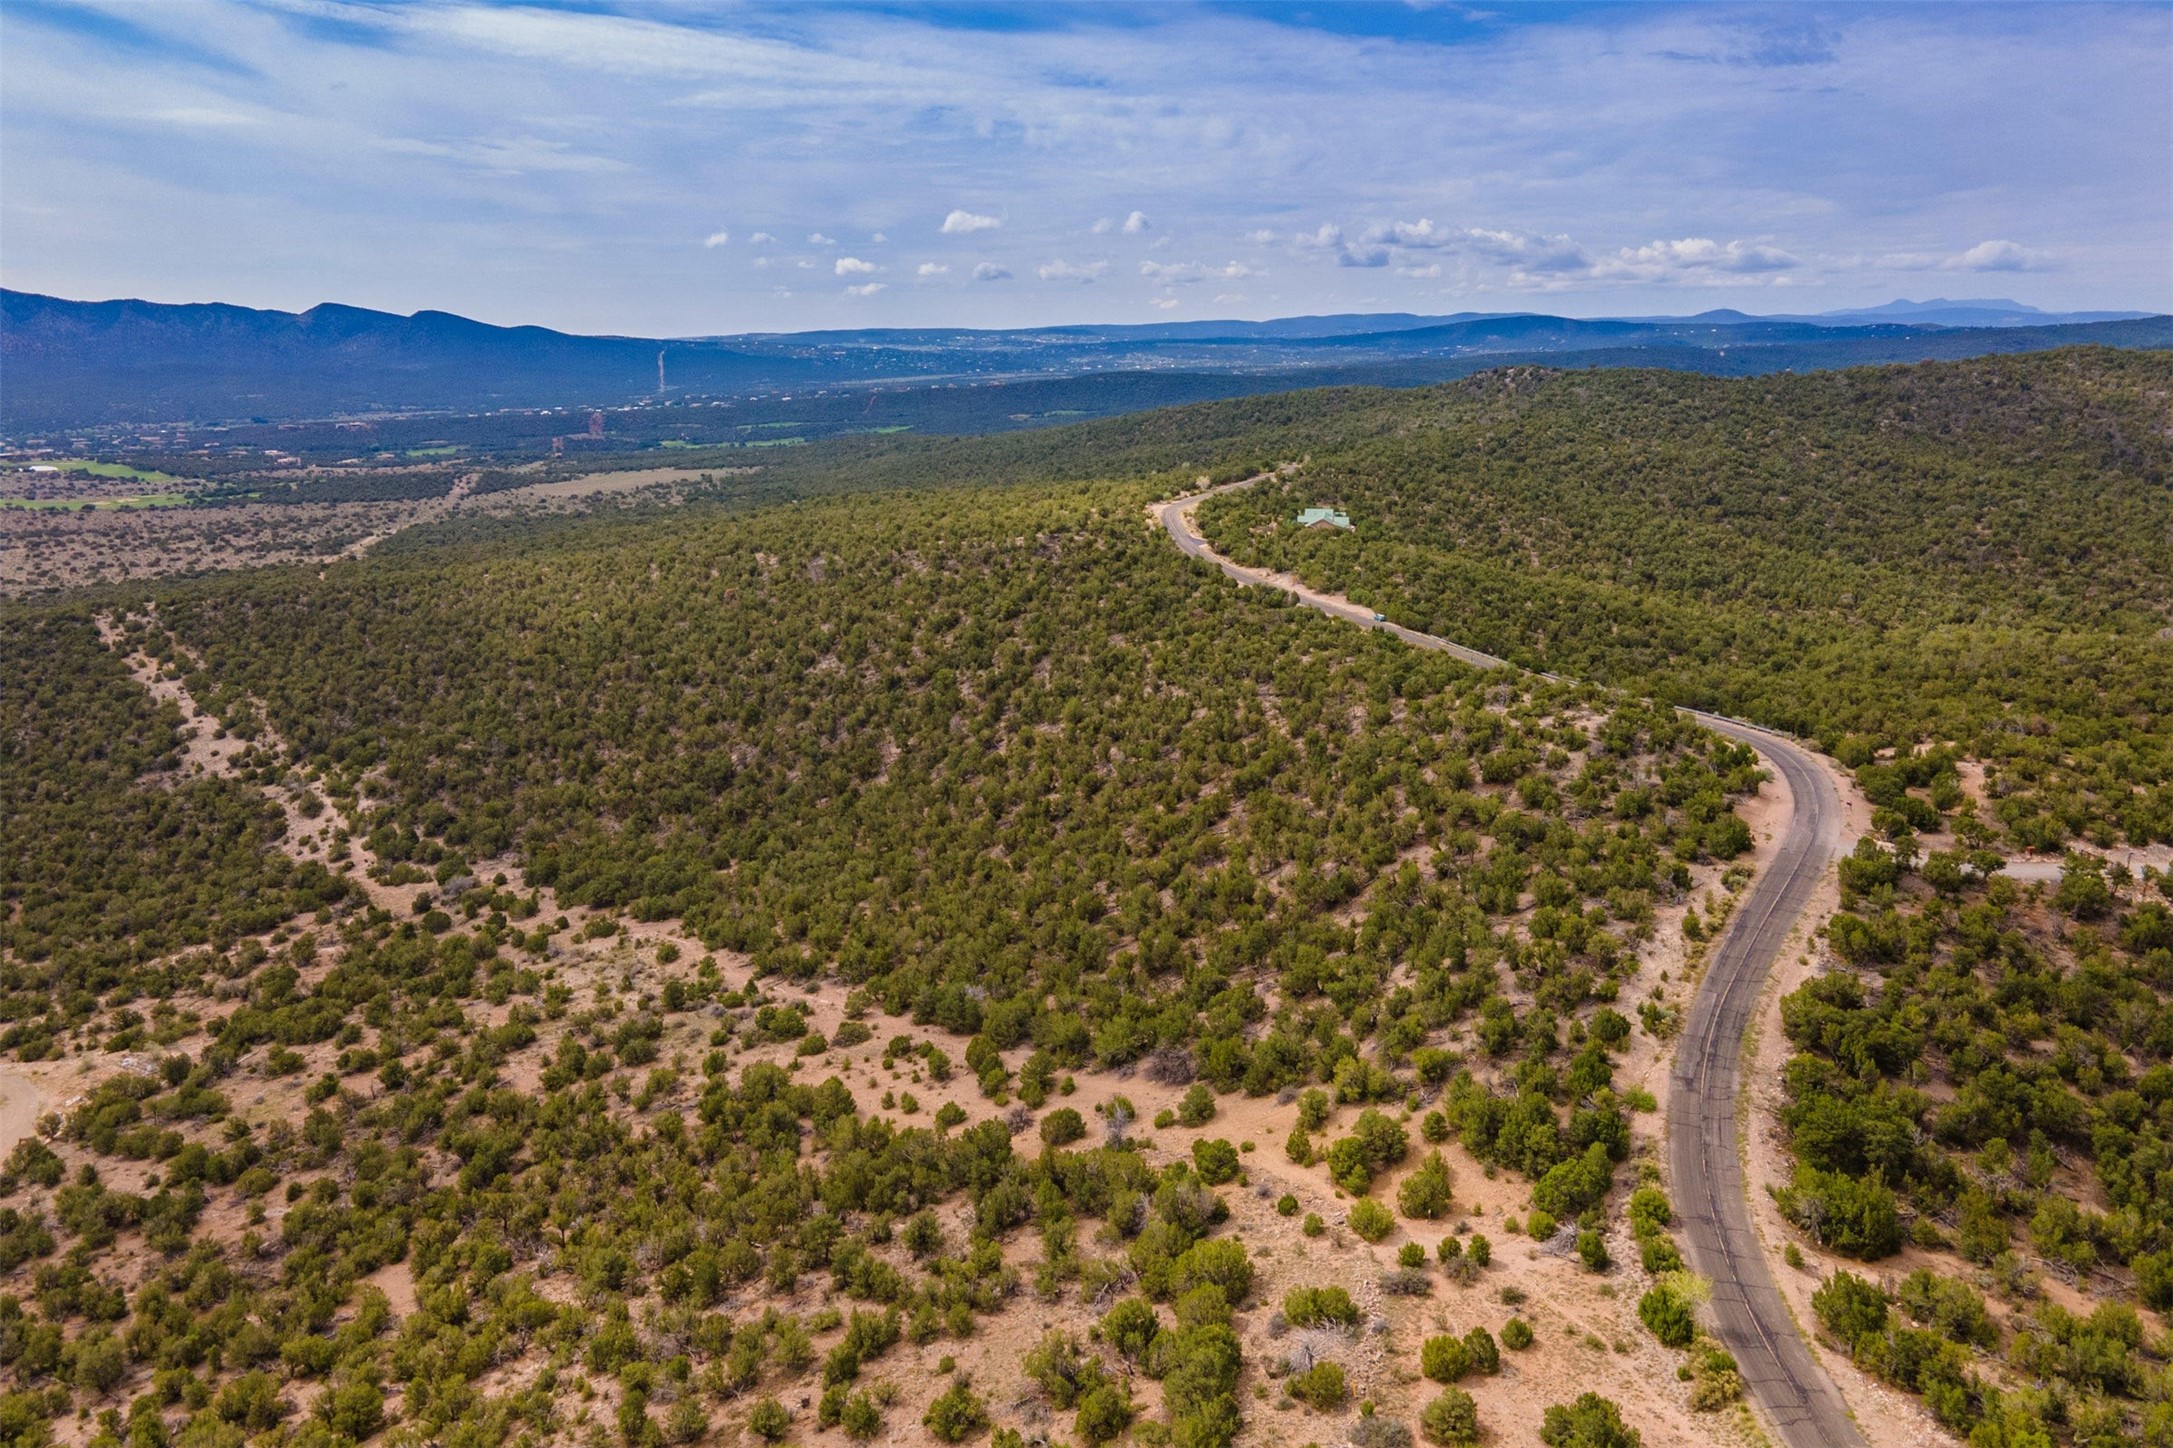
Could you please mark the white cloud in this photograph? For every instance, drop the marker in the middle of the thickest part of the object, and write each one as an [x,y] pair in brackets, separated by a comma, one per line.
[760,238]
[962,223]
[933,269]
[1667,260]
[1102,226]
[878,239]
[865,289]
[1548,261]
[988,271]
[1691,259]
[853,266]
[1192,271]
[1998,256]
[1367,252]
[1165,303]
[816,238]
[716,238]
[1061,270]
[1420,234]
[1527,252]
[1260,238]
[210,116]
[1135,223]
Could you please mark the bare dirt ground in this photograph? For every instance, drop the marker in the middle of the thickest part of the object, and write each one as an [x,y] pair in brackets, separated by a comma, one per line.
[49,550]
[590,485]
[19,1103]
[42,550]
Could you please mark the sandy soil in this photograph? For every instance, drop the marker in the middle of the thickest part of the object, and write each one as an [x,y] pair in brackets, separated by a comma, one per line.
[19,1103]
[590,485]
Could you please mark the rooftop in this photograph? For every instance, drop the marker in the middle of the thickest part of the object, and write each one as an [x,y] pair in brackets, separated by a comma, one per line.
[1333,517]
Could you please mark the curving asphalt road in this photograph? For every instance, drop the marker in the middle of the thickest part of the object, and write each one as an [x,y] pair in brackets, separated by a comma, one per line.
[1749,1315]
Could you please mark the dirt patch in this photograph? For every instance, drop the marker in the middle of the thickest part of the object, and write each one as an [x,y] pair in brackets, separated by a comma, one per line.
[19,1103]
[592,484]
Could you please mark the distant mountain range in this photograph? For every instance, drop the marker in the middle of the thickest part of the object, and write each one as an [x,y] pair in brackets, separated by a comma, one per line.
[74,364]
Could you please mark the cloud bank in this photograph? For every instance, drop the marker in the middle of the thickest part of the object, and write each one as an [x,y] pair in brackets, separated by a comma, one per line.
[535,162]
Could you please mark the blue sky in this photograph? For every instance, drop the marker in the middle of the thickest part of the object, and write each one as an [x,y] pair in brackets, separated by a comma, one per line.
[688,169]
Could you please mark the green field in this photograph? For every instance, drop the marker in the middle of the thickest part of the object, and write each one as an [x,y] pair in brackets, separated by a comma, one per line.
[114,470]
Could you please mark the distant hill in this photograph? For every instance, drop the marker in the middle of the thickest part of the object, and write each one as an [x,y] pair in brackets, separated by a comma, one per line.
[83,362]
[1974,312]
[72,364]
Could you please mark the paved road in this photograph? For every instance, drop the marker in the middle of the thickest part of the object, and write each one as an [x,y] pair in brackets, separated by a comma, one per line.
[1748,1313]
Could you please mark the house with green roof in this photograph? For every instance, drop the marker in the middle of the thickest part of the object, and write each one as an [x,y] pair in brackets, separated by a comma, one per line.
[1324,518]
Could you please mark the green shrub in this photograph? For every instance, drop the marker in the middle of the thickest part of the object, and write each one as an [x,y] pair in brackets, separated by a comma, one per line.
[1216,1161]
[1063,1126]
[1658,1255]
[1451,1419]
[1571,1187]
[1952,1306]
[1853,1217]
[1370,1220]
[1667,1316]
[1516,1334]
[1062,1368]
[1104,1413]
[956,1414]
[768,1420]
[1321,1387]
[1131,1328]
[1313,1108]
[1313,1306]
[1483,1351]
[862,1417]
[1444,1358]
[1649,1212]
[1851,1308]
[1426,1192]
[1198,1106]
[1590,1422]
